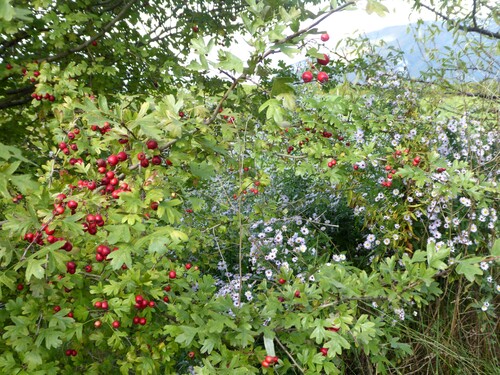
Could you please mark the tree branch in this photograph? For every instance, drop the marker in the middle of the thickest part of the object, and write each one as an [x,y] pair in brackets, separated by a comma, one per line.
[104,30]
[472,29]
[261,58]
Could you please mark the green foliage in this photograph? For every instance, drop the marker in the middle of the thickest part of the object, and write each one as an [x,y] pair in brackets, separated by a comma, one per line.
[204,226]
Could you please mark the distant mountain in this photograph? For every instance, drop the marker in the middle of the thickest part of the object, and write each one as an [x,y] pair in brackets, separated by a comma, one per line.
[419,58]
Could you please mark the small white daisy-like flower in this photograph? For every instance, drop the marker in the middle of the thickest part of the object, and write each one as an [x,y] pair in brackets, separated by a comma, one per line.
[465,201]
[387,241]
[367,245]
[284,228]
[489,279]
[336,258]
[271,256]
[302,248]
[485,211]
[311,278]
[269,274]
[295,259]
[484,266]
[395,192]
[497,288]
[304,231]
[374,304]
[278,238]
[473,228]
[370,238]
[261,235]
[395,237]
[342,257]
[415,313]
[268,229]
[485,306]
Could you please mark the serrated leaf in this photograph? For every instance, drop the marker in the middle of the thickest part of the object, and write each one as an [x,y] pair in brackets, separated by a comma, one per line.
[187,335]
[35,269]
[121,256]
[469,268]
[495,249]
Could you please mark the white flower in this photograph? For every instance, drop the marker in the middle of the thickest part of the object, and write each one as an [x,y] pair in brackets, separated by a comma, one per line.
[268,229]
[497,288]
[304,231]
[485,211]
[367,245]
[311,278]
[489,279]
[484,266]
[387,241]
[269,274]
[302,248]
[261,235]
[485,306]
[370,238]
[342,257]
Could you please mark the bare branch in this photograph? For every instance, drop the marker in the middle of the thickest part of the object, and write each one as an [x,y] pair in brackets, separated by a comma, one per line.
[457,24]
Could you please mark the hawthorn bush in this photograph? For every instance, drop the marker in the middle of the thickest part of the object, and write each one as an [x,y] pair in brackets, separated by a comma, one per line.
[279,227]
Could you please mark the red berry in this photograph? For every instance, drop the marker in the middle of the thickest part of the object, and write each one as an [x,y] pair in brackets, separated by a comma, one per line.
[20,287]
[152,144]
[122,156]
[324,351]
[116,324]
[188,266]
[97,323]
[297,294]
[154,206]
[282,281]
[191,355]
[57,308]
[104,305]
[72,205]
[113,160]
[324,61]
[142,321]
[166,299]
[325,37]
[265,364]
[322,77]
[172,274]
[269,359]
[144,163]
[307,76]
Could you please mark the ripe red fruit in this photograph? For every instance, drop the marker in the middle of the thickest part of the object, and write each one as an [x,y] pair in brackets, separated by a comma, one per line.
[72,205]
[156,160]
[122,156]
[188,266]
[69,352]
[172,274]
[62,146]
[144,163]
[332,163]
[265,364]
[97,323]
[333,329]
[116,324]
[136,320]
[113,160]
[59,210]
[57,308]
[94,43]
[167,288]
[322,77]
[269,359]
[142,321]
[141,156]
[325,60]
[307,76]
[325,37]
[191,355]
[297,294]
[90,218]
[195,28]
[166,299]
[154,206]
[88,268]
[104,305]
[36,73]
[70,314]
[282,281]
[101,163]
[152,144]
[324,351]
[20,287]
[8,66]
[98,304]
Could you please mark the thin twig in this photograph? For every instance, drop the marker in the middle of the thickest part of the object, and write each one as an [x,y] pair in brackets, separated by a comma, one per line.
[289,355]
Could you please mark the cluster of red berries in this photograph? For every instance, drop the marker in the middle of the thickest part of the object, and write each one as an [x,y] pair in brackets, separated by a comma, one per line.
[71,352]
[103,130]
[102,305]
[70,267]
[141,303]
[102,253]
[269,360]
[17,198]
[47,96]
[92,222]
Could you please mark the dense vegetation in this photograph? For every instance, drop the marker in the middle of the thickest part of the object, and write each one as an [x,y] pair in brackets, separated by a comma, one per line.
[163,211]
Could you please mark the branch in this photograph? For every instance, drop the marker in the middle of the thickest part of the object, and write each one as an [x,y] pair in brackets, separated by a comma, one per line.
[104,30]
[287,39]
[289,355]
[472,29]
[14,103]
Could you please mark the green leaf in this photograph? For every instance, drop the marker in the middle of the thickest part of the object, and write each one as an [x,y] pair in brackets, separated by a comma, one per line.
[6,10]
[202,170]
[469,268]
[228,61]
[187,335]
[495,249]
[35,268]
[118,233]
[50,336]
[281,85]
[376,7]
[121,256]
